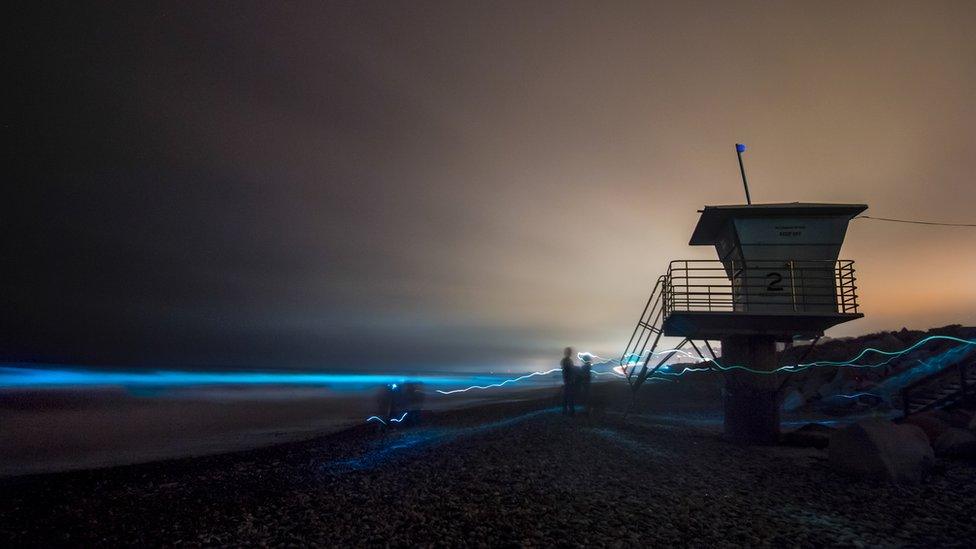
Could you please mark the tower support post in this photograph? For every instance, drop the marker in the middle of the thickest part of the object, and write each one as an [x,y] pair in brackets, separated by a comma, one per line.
[752,407]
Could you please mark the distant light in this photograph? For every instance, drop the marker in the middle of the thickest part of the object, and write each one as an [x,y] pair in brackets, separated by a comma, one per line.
[394,386]
[740,147]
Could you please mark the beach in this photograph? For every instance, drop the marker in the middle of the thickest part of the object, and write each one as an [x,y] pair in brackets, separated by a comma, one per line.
[516,473]
[56,429]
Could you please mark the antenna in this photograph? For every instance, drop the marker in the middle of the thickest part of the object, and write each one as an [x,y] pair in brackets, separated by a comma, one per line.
[739,149]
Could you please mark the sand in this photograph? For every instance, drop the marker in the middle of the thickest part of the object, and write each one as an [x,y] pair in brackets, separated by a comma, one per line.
[511,474]
[67,429]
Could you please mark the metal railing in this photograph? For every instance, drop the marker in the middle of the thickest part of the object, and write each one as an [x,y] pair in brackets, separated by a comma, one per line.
[647,333]
[797,286]
[800,286]
[949,385]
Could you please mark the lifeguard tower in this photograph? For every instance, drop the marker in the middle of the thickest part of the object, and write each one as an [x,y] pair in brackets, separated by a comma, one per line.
[777,278]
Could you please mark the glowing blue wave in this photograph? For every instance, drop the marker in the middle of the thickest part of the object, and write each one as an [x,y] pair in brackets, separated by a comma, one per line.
[12,377]
[38,377]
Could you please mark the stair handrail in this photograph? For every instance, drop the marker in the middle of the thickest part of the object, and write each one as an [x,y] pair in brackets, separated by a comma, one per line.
[959,367]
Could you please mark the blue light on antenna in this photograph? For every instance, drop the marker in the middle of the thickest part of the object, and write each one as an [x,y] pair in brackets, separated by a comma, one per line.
[740,147]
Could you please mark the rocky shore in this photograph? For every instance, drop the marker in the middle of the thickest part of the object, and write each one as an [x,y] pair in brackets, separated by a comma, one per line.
[515,474]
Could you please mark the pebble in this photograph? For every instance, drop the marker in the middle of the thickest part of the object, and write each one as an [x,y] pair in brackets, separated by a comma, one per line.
[538,482]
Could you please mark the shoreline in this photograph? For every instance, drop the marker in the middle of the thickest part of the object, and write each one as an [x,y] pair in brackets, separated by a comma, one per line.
[63,429]
[116,429]
[312,424]
[500,474]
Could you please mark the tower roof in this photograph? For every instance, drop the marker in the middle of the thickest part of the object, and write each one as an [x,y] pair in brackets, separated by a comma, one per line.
[713,218]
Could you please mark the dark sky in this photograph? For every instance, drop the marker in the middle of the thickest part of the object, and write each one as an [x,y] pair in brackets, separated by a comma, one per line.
[370,185]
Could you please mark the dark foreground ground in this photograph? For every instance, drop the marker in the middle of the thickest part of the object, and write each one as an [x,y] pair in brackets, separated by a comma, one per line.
[503,475]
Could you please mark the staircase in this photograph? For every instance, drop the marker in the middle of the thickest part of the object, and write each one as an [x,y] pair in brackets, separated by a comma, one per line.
[949,386]
[641,349]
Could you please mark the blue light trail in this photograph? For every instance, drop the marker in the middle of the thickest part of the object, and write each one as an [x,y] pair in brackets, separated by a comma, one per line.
[853,396]
[852,363]
[392,420]
[716,365]
[501,384]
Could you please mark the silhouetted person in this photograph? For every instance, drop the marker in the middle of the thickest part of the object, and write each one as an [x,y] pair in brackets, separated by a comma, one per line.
[583,381]
[389,402]
[569,382]
[413,402]
[401,403]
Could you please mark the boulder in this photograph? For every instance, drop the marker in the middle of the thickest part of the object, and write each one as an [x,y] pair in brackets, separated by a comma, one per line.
[956,443]
[793,400]
[817,428]
[812,435]
[931,425]
[879,449]
[957,417]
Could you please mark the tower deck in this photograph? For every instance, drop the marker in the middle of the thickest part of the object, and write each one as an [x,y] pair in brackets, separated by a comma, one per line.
[784,326]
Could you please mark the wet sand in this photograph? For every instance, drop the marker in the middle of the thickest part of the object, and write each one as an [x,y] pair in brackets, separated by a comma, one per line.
[510,474]
[67,429]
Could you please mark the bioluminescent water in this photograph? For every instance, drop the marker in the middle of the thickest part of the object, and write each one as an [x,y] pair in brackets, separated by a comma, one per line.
[19,377]
[33,377]
[92,417]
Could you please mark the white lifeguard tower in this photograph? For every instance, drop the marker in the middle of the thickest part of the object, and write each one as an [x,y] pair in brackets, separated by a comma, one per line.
[777,279]
[778,273]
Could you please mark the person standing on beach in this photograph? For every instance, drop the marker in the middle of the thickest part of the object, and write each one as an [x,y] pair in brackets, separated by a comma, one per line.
[569,382]
[585,376]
